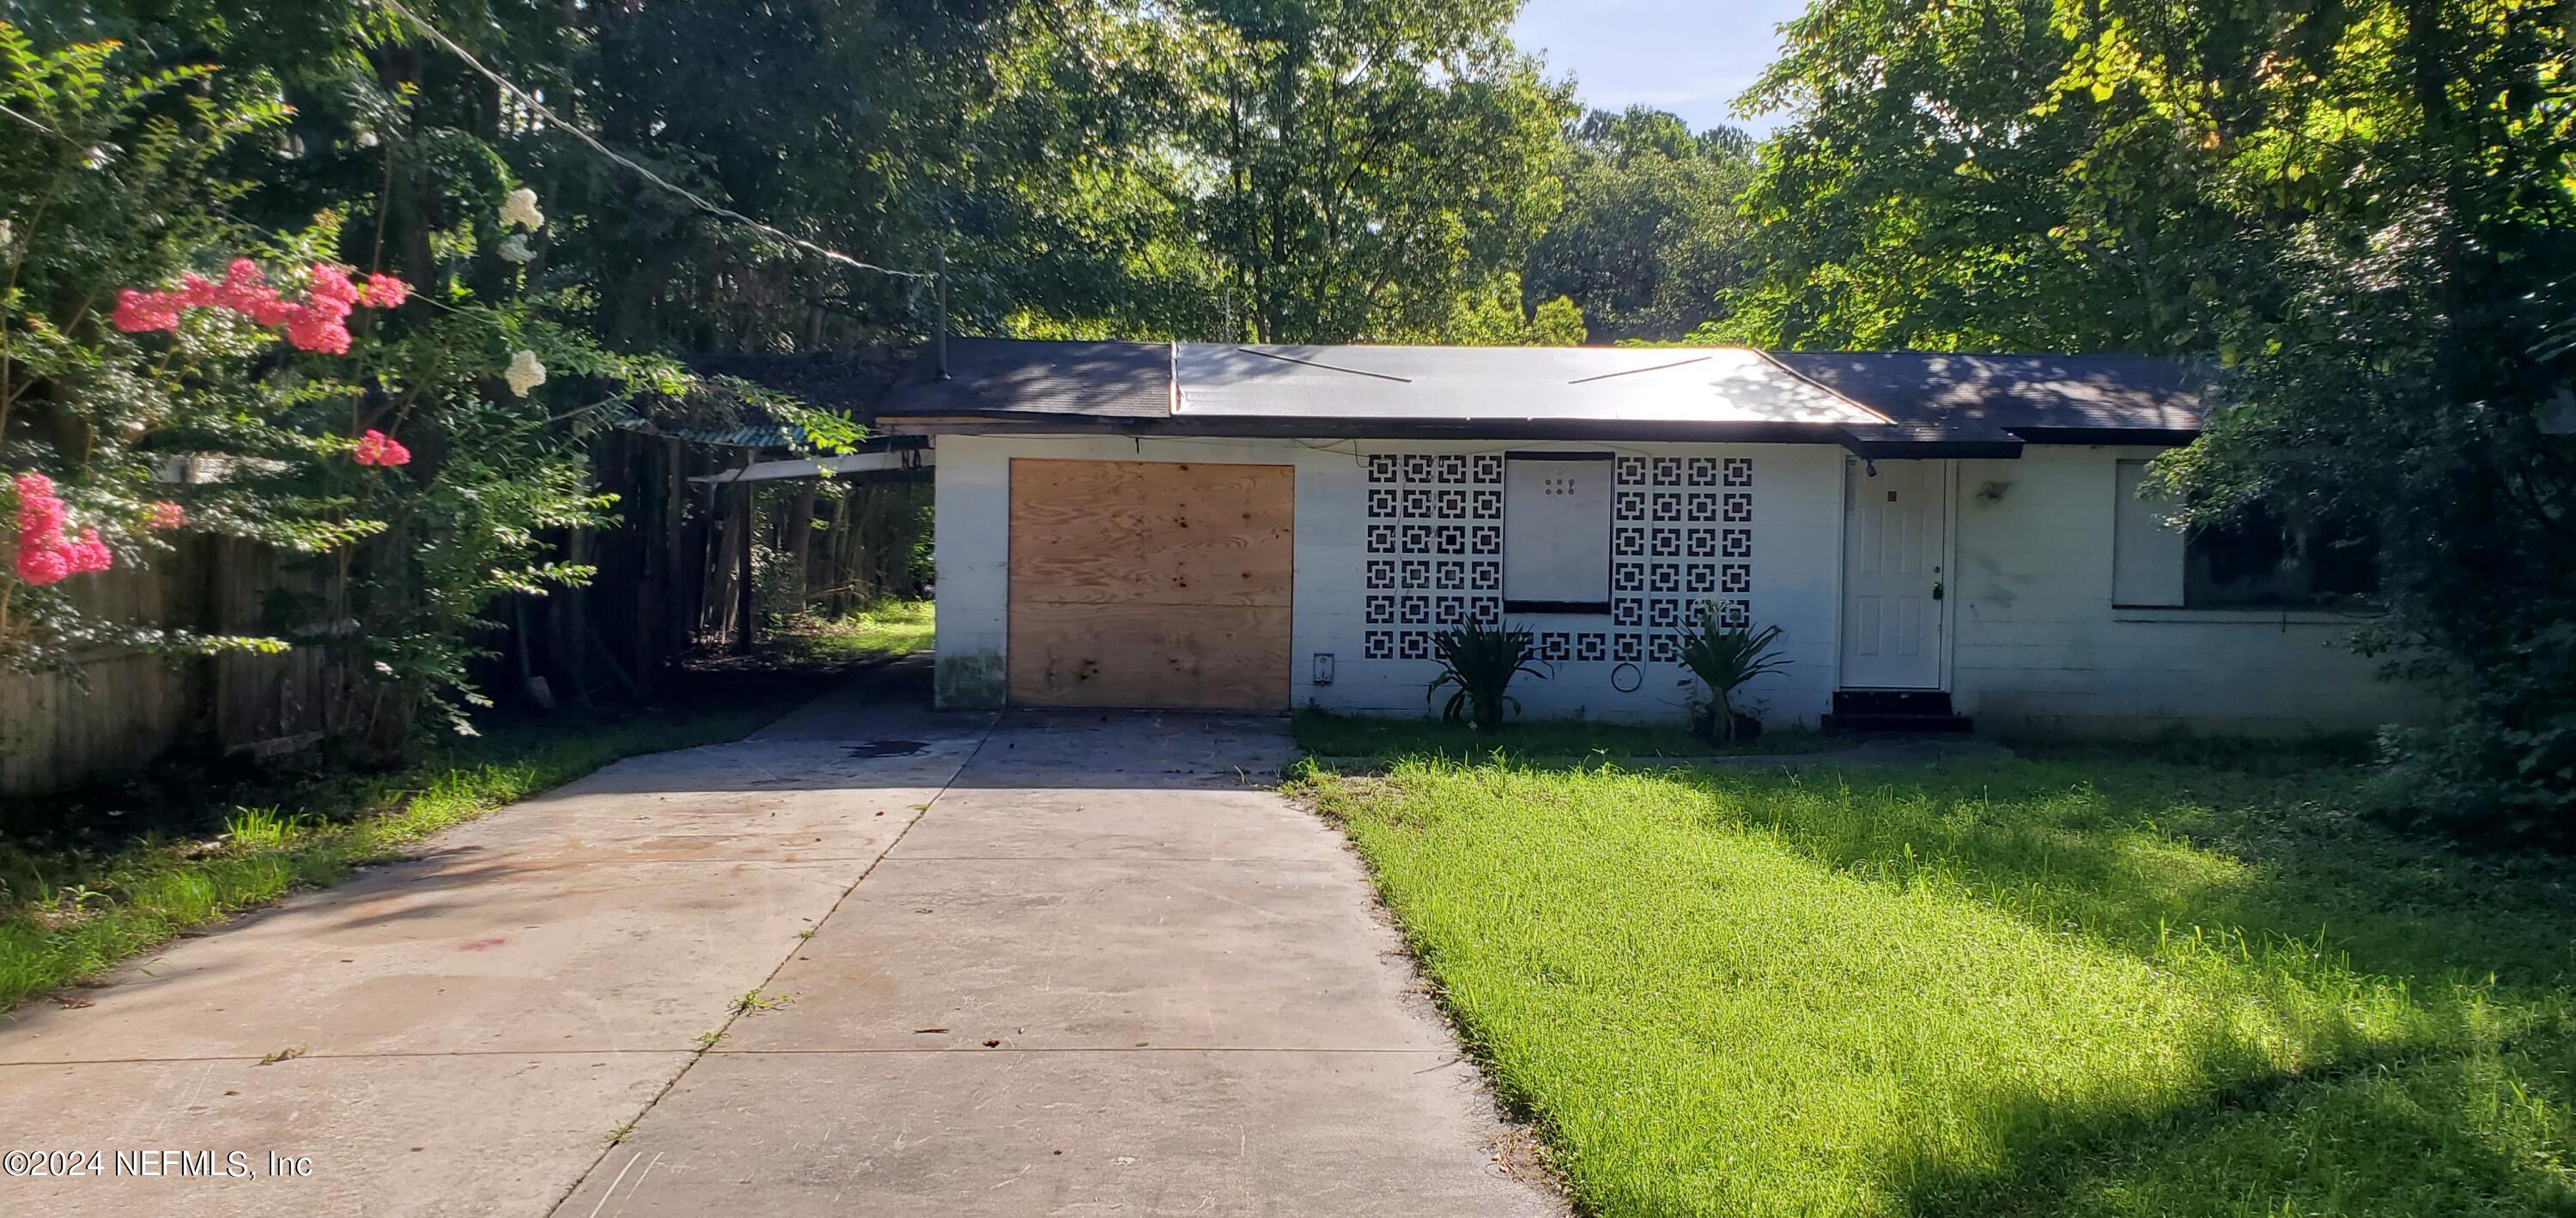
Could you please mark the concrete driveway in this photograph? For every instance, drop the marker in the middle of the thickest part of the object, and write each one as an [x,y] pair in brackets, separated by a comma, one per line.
[1059,965]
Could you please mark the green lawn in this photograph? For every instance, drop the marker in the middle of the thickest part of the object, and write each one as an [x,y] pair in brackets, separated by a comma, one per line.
[82,887]
[1329,735]
[2095,984]
[888,628]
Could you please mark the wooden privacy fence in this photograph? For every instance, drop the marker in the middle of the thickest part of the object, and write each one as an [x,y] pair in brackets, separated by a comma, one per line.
[115,709]
[667,573]
[120,708]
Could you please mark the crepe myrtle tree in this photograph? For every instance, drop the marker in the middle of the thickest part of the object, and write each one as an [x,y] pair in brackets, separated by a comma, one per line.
[167,369]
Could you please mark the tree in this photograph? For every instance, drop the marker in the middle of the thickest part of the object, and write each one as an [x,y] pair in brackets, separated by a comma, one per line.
[147,327]
[2398,175]
[1492,316]
[1029,139]
[1651,242]
[2364,209]
[1365,163]
[1942,189]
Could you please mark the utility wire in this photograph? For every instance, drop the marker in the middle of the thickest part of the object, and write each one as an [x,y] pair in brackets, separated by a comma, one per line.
[33,123]
[695,200]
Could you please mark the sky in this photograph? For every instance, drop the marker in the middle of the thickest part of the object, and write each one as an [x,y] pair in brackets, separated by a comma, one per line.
[1691,57]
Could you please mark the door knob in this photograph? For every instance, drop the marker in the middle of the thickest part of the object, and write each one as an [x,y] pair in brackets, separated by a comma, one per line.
[1936,589]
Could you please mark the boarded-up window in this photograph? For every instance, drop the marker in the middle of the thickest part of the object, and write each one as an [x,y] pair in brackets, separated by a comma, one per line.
[1150,583]
[1556,533]
[2146,552]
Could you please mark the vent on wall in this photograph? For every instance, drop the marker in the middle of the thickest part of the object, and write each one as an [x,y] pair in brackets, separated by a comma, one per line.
[1681,534]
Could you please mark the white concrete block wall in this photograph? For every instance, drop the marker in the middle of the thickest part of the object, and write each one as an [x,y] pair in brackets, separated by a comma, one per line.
[1797,496]
[2036,643]
[1796,572]
[2039,647]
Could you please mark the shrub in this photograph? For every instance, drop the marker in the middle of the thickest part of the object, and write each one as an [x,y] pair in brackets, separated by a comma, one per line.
[1724,659]
[1481,661]
[2500,768]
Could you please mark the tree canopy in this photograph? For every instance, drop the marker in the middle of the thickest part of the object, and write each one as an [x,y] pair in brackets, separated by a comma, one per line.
[2363,211]
[1651,242]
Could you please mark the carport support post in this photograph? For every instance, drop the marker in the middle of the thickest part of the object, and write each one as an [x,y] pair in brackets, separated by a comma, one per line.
[743,601]
[675,628]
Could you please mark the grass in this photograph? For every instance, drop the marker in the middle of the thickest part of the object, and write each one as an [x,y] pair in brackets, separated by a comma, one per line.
[1326,734]
[80,891]
[2084,984]
[888,628]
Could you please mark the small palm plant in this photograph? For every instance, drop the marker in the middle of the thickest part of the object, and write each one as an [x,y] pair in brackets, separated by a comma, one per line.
[1724,659]
[1481,661]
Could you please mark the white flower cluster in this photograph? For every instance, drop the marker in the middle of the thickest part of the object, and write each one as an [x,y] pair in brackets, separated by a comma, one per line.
[524,373]
[520,210]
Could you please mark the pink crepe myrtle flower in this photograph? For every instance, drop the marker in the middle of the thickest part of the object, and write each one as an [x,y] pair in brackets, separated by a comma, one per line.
[137,312]
[327,282]
[384,292]
[245,290]
[165,515]
[376,448]
[40,517]
[89,553]
[320,323]
[196,292]
[312,330]
[40,513]
[43,556]
[40,566]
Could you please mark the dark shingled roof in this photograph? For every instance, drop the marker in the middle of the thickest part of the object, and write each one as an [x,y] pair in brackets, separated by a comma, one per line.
[850,383]
[1094,379]
[2031,394]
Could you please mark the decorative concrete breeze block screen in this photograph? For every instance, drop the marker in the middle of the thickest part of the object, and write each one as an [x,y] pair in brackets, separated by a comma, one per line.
[1681,536]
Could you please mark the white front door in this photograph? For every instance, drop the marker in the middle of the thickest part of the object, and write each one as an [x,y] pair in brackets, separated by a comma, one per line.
[1895,603]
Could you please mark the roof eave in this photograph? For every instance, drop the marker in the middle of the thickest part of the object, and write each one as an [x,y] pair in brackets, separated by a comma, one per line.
[1912,442]
[1006,422]
[2160,437]
[1932,450]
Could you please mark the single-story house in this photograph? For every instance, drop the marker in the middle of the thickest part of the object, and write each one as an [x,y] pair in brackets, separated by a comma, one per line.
[1257,528]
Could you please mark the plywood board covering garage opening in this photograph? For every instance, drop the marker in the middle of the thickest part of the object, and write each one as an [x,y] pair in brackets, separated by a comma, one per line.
[1151,584]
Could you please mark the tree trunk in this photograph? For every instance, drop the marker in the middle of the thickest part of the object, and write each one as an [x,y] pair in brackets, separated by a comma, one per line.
[408,203]
[675,529]
[799,541]
[836,554]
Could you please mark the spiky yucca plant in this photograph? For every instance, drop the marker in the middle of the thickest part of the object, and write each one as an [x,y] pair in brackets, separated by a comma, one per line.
[1481,661]
[1724,659]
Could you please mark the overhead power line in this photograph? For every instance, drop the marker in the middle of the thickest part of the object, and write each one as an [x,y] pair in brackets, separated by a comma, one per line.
[701,202]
